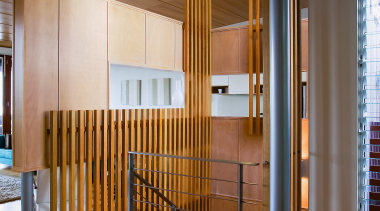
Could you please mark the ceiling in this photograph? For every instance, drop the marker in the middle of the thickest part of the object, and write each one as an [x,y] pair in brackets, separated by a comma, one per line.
[224,12]
[6,23]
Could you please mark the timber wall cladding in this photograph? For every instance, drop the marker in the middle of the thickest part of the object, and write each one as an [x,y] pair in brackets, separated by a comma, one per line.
[80,141]
[76,40]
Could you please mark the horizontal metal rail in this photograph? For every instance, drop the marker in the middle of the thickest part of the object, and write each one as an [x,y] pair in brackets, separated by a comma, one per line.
[138,175]
[196,159]
[195,177]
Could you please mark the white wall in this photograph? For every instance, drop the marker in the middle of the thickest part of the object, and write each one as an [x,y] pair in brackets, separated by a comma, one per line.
[333,105]
[119,73]
[233,105]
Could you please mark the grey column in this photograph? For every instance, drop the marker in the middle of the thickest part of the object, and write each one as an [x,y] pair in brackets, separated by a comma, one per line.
[27,191]
[279,105]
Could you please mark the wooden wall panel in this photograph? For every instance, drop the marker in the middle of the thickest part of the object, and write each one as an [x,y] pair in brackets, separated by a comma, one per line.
[70,70]
[225,146]
[231,141]
[126,35]
[178,56]
[225,49]
[83,55]
[251,150]
[160,42]
[304,45]
[36,76]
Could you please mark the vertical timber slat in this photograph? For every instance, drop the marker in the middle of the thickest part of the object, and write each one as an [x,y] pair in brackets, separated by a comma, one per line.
[118,159]
[53,159]
[81,153]
[89,129]
[111,160]
[104,187]
[72,127]
[63,160]
[97,161]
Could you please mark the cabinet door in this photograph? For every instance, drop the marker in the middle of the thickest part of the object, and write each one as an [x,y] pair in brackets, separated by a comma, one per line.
[238,84]
[304,45]
[178,47]
[225,52]
[160,42]
[83,55]
[251,150]
[126,35]
[225,146]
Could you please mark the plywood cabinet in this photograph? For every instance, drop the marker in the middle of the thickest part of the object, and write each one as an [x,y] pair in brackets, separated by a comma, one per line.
[126,35]
[230,50]
[83,55]
[231,141]
[305,45]
[160,42]
[62,54]
[140,38]
[225,52]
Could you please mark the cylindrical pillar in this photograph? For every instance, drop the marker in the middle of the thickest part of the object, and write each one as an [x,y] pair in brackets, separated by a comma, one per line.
[279,105]
[27,191]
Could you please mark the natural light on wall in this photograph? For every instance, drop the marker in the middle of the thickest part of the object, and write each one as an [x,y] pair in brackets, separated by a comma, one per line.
[369,104]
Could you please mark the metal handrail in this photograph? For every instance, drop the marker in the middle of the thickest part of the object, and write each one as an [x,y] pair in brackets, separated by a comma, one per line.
[133,175]
[196,159]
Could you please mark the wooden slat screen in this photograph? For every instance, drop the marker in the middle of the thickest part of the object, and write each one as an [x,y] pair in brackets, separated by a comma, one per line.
[87,140]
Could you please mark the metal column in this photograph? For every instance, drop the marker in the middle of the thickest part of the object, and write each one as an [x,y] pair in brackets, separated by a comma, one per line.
[279,105]
[27,191]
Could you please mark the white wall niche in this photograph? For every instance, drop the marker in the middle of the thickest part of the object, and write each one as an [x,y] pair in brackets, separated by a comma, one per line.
[132,87]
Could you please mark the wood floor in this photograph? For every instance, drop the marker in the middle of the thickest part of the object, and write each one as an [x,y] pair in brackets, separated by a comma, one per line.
[13,205]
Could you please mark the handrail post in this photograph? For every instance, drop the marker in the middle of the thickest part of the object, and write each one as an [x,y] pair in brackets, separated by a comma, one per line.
[131,181]
[240,188]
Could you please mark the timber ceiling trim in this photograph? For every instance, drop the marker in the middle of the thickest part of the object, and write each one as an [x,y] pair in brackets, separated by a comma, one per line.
[6,21]
[224,12]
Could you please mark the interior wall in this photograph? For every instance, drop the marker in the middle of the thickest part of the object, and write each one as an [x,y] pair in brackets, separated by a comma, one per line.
[61,62]
[333,105]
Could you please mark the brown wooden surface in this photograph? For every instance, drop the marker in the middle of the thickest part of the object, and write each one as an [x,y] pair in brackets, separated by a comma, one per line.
[38,93]
[225,52]
[63,160]
[126,35]
[227,205]
[251,150]
[231,141]
[6,20]
[81,159]
[83,55]
[167,136]
[119,148]
[160,42]
[238,59]
[53,159]
[257,67]
[72,160]
[104,188]
[251,67]
[111,160]
[97,149]
[266,106]
[225,146]
[224,12]
[7,90]
[304,45]
[89,154]
[295,106]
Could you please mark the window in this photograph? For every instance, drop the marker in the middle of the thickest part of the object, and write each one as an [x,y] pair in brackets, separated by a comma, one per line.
[369,103]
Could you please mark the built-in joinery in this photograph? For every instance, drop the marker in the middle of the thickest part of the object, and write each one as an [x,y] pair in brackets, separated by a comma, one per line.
[92,146]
